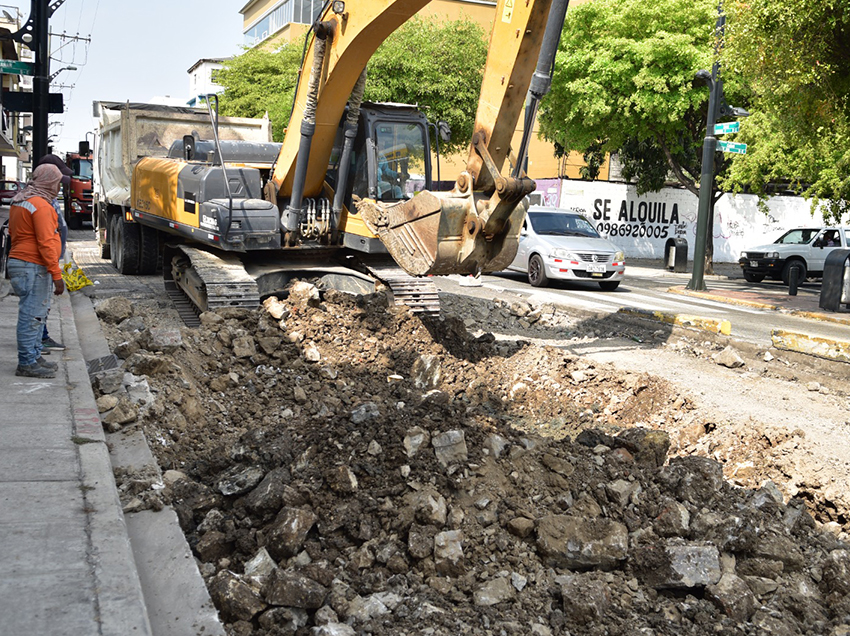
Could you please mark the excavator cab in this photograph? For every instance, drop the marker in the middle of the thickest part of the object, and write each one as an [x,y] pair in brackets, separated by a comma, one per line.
[390,162]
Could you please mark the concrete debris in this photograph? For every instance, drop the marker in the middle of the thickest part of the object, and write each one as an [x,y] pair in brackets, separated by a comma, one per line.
[496,487]
[729,358]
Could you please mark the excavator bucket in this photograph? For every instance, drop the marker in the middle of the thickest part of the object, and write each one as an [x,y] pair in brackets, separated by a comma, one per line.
[443,233]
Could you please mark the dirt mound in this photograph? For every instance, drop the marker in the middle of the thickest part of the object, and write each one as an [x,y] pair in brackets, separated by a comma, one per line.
[340,466]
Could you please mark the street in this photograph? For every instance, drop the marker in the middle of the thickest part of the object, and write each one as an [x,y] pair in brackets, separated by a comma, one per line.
[647,286]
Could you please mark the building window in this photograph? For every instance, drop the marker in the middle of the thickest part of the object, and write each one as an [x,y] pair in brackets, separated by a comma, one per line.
[286,12]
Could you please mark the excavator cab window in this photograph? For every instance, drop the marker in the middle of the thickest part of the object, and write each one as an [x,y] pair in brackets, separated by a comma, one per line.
[400,159]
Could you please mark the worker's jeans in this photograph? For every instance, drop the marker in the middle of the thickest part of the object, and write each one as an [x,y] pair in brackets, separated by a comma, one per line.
[32,284]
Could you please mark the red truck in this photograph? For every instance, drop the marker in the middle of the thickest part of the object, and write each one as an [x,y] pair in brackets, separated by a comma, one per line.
[78,195]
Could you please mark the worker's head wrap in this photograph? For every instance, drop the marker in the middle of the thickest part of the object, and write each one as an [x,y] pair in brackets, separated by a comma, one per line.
[56,161]
[44,183]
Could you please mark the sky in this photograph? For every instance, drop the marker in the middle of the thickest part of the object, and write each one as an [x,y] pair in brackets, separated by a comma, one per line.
[139,49]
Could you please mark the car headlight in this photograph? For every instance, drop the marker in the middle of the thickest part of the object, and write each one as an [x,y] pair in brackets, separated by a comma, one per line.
[560,252]
[772,255]
[743,255]
[619,256]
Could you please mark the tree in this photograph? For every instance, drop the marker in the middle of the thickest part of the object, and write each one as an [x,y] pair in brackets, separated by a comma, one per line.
[436,64]
[433,63]
[796,57]
[259,82]
[624,77]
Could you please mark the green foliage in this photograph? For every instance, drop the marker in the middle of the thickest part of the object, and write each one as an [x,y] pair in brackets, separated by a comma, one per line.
[433,63]
[593,157]
[437,65]
[624,74]
[796,58]
[260,81]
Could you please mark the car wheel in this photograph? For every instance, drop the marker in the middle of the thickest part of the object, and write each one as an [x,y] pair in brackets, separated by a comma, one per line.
[609,285]
[786,271]
[537,272]
[752,277]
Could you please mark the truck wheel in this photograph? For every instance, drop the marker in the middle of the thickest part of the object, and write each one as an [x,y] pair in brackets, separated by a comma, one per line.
[537,272]
[110,235]
[786,271]
[149,259]
[128,244]
[752,277]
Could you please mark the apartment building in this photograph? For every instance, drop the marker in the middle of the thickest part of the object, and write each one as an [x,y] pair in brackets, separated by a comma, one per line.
[268,23]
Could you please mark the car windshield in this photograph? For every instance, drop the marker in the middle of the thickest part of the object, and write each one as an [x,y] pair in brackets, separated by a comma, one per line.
[798,236]
[561,224]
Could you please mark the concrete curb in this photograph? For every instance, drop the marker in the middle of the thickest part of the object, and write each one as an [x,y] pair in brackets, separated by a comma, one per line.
[810,315]
[120,600]
[723,327]
[829,349]
[176,598]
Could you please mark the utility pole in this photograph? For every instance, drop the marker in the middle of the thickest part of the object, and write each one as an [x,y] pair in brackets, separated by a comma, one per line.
[717,106]
[40,83]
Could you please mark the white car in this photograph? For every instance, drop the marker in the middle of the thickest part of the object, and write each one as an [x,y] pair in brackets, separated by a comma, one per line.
[563,245]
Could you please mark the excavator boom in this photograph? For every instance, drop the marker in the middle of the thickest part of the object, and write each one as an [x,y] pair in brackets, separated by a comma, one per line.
[470,229]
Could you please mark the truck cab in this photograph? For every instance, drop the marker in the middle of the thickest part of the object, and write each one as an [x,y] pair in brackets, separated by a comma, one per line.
[805,248]
[78,194]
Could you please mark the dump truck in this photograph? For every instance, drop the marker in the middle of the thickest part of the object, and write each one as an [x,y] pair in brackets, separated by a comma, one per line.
[77,194]
[351,184]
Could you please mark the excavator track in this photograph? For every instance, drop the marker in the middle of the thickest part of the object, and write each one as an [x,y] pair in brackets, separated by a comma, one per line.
[197,280]
[418,293]
[209,281]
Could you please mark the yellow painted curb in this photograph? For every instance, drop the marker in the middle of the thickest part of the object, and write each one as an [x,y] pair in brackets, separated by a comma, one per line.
[695,322]
[829,349]
[722,299]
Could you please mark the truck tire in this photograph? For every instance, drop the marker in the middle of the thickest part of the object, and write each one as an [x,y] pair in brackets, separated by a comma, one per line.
[150,259]
[786,271]
[537,271]
[110,235]
[128,244]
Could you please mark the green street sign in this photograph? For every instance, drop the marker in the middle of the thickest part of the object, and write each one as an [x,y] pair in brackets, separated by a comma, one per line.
[728,146]
[16,67]
[725,129]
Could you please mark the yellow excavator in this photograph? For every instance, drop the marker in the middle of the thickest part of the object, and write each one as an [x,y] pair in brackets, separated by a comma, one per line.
[232,221]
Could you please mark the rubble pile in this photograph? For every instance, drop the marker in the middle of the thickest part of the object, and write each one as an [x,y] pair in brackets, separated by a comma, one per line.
[341,466]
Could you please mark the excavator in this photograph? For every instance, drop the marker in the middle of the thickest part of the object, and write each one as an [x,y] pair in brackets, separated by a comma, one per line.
[349,191]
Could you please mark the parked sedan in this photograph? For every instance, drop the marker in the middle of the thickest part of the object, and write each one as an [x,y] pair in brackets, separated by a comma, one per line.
[564,245]
[9,189]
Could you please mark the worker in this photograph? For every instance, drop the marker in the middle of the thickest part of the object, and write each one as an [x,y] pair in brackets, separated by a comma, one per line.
[47,343]
[388,179]
[33,264]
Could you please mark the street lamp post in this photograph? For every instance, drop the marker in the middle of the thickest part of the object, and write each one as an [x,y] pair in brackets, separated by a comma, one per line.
[706,181]
[716,106]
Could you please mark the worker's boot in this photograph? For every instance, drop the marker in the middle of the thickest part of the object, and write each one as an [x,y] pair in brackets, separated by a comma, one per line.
[35,370]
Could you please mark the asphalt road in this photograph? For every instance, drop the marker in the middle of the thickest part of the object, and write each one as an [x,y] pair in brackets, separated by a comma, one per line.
[647,286]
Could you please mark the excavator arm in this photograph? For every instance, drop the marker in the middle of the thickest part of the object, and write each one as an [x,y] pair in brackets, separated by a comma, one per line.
[472,228]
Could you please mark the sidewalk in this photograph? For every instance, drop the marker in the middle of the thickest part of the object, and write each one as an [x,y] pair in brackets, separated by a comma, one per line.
[770,295]
[66,567]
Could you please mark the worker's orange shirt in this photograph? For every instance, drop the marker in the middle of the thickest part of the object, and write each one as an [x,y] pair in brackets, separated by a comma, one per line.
[34,230]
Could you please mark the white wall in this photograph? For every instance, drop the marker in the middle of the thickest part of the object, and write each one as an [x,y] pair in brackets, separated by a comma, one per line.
[641,225]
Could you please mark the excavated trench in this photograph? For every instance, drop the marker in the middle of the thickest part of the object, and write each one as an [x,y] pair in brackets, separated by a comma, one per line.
[341,466]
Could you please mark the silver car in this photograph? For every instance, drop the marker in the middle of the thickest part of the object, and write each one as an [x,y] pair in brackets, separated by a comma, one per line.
[564,245]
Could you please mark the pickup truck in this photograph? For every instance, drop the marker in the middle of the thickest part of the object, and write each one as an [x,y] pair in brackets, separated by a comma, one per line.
[805,247]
